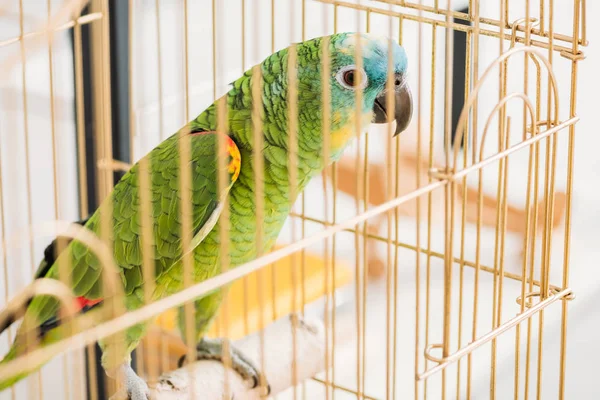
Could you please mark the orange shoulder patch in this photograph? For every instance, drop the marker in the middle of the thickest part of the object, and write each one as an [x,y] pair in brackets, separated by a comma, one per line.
[236,160]
[234,166]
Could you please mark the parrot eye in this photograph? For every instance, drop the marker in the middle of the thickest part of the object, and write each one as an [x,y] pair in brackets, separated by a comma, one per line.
[352,78]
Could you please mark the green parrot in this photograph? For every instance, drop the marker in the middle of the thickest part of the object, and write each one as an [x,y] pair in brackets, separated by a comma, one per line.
[85,269]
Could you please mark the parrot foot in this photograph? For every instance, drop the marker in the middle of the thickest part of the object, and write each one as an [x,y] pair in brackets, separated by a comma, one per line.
[132,386]
[212,349]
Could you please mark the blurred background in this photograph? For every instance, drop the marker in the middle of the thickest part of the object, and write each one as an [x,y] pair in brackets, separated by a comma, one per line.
[39,152]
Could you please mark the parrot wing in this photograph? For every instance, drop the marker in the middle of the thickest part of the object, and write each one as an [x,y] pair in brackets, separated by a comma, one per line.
[165,197]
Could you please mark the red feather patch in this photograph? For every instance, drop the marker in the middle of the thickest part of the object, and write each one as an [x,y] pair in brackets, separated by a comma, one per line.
[81,302]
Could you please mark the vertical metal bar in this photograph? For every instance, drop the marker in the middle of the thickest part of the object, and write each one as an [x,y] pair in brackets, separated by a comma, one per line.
[63,266]
[334,182]
[365,185]
[243,37]
[104,87]
[274,265]
[224,226]
[420,48]
[429,195]
[80,116]
[397,232]
[159,81]
[531,240]
[551,150]
[527,202]
[449,194]
[243,57]
[86,158]
[501,209]
[475,78]
[543,16]
[533,234]
[359,190]
[550,200]
[293,182]
[101,120]
[186,202]
[303,211]
[35,379]
[501,127]
[326,129]
[258,167]
[390,270]
[578,14]
[5,275]
[101,63]
[214,49]
[466,56]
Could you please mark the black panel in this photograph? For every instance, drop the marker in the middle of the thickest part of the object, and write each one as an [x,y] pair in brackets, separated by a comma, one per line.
[88,102]
[119,69]
[458,76]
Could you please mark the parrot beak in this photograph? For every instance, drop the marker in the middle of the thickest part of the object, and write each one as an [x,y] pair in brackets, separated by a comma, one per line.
[403,106]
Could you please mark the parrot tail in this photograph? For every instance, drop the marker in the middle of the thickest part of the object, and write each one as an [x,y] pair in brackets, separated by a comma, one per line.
[46,334]
[5,383]
[17,349]
[46,329]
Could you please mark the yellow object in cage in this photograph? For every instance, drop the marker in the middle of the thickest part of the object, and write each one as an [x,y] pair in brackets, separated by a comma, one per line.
[244,298]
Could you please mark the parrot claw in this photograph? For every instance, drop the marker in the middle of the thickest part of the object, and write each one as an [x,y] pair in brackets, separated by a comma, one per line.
[212,349]
[132,386]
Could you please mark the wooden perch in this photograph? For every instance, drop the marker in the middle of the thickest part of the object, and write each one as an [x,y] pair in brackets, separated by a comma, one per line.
[244,315]
[209,378]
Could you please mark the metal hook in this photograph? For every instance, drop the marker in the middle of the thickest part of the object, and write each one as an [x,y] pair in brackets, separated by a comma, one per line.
[553,291]
[427,353]
[528,297]
[543,123]
[533,23]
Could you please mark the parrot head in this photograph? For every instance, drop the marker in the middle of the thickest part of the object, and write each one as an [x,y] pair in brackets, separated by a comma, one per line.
[347,76]
[370,76]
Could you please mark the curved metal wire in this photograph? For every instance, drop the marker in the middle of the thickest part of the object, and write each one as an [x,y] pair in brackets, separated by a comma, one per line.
[111,283]
[42,286]
[497,108]
[461,126]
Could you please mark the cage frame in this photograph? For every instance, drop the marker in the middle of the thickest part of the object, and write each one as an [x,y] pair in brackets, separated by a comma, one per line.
[523,31]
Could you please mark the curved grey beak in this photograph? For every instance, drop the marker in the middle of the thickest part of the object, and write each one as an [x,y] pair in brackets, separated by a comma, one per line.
[402,106]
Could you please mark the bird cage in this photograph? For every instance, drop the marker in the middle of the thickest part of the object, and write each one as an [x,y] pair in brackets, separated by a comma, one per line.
[429,265]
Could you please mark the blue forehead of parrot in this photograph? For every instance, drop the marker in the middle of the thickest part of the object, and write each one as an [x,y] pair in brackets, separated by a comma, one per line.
[375,50]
